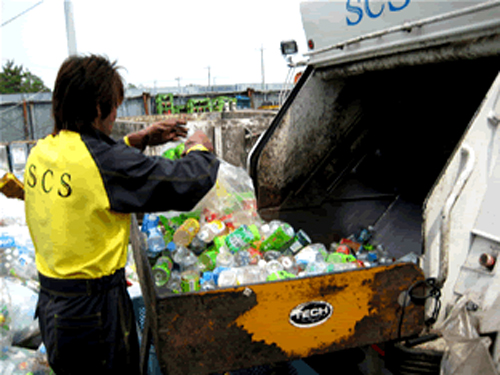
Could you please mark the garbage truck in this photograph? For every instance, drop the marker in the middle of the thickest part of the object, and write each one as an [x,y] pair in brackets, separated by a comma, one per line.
[394,125]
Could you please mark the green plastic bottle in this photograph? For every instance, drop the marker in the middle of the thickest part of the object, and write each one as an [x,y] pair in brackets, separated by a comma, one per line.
[242,237]
[279,238]
[170,154]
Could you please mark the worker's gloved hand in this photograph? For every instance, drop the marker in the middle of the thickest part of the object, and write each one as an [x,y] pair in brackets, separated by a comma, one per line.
[198,141]
[158,133]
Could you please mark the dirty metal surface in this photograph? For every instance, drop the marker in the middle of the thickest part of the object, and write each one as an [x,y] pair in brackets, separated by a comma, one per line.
[330,122]
[234,328]
[302,139]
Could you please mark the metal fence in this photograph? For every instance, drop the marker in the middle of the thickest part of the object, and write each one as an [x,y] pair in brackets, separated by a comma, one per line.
[29,116]
[25,116]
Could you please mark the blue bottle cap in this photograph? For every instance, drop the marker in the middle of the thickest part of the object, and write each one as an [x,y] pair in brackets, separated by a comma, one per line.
[207,276]
[171,246]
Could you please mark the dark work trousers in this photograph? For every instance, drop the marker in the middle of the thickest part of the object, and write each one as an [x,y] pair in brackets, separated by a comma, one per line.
[88,326]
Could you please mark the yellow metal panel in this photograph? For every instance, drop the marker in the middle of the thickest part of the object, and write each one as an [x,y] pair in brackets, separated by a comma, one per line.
[269,320]
[231,328]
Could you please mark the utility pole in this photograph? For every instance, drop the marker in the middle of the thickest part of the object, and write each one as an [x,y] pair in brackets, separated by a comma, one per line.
[70,27]
[208,67]
[262,66]
[178,79]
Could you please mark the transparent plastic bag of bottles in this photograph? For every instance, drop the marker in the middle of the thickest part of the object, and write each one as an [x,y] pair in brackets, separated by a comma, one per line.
[467,352]
[233,194]
[23,305]
[17,257]
[21,361]
[6,317]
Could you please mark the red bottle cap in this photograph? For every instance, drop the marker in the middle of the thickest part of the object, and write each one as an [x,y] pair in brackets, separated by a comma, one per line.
[344,249]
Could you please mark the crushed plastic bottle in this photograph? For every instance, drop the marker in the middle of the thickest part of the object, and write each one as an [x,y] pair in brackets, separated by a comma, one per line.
[207,261]
[211,230]
[149,221]
[272,255]
[174,153]
[277,235]
[197,246]
[216,273]
[228,277]
[162,270]
[174,283]
[7,254]
[289,264]
[300,240]
[383,256]
[339,267]
[156,244]
[241,238]
[274,266]
[24,266]
[190,281]
[184,258]
[186,232]
[6,317]
[309,254]
[316,267]
[250,274]
[364,235]
[255,255]
[409,258]
[280,275]
[207,281]
[242,258]
[340,258]
[225,259]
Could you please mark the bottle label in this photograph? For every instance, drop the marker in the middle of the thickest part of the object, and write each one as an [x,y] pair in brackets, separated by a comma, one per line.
[295,247]
[208,259]
[239,239]
[186,232]
[277,240]
[7,241]
[190,283]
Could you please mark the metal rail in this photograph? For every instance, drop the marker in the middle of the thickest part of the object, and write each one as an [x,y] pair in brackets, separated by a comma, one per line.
[446,214]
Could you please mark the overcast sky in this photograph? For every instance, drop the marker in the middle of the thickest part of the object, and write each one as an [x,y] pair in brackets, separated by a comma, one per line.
[157,41]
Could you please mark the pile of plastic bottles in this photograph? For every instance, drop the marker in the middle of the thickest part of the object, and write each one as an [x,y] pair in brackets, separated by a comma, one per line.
[21,351]
[192,252]
[223,242]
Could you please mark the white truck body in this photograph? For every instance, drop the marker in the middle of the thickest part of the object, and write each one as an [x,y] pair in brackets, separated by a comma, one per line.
[350,30]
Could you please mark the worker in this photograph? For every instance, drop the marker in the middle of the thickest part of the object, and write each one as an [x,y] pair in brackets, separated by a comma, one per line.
[81,188]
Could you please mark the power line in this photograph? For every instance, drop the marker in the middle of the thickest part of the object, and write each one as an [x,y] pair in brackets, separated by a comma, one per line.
[20,14]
